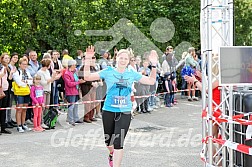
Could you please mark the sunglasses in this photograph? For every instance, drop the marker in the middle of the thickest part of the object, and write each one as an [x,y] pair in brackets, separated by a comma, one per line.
[132,60]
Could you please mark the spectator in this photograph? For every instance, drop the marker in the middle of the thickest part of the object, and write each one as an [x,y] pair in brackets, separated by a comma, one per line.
[57,67]
[138,62]
[22,78]
[132,66]
[78,59]
[4,72]
[143,89]
[72,94]
[37,96]
[169,87]
[46,80]
[12,67]
[104,62]
[169,49]
[165,67]
[180,65]
[26,57]
[88,91]
[191,65]
[33,67]
[99,95]
[66,57]
[114,57]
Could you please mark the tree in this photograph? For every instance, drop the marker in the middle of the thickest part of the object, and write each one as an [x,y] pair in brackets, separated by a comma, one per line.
[243,22]
[51,24]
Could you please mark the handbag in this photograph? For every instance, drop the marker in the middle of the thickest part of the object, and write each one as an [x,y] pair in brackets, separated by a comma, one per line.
[19,90]
[2,94]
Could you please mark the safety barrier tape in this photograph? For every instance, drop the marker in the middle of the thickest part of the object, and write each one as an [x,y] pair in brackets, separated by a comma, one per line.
[203,155]
[227,143]
[236,119]
[157,94]
[53,105]
[88,102]
[232,145]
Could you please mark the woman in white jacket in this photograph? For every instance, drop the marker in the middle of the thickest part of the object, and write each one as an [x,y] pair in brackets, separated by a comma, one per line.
[23,78]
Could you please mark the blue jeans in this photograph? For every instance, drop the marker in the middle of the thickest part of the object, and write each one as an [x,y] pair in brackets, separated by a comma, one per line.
[72,109]
[183,87]
[23,99]
[55,93]
[152,101]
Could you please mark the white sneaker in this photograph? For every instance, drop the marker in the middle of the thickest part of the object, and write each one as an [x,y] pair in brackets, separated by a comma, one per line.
[29,122]
[189,98]
[155,107]
[20,129]
[25,127]
[195,98]
[44,126]
[150,109]
[98,116]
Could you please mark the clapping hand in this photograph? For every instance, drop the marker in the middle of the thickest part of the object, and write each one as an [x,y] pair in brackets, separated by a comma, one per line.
[13,70]
[95,84]
[100,83]
[82,81]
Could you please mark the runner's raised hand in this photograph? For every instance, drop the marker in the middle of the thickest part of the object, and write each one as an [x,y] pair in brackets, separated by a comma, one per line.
[153,57]
[90,51]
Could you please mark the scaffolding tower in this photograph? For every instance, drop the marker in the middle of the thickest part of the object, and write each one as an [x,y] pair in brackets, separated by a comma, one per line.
[216,30]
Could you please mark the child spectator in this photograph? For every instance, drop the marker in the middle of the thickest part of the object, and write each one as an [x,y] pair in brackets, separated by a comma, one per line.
[37,96]
[46,80]
[169,87]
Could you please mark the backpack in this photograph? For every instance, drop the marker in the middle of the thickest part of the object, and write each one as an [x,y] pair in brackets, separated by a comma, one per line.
[60,84]
[51,117]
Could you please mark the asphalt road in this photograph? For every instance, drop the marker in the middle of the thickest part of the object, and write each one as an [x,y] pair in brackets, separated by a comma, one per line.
[169,137]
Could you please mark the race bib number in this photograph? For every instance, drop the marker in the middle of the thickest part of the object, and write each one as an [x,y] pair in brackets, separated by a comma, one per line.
[39,93]
[119,101]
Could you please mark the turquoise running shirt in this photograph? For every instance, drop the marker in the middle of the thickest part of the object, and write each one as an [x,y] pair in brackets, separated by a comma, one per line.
[119,87]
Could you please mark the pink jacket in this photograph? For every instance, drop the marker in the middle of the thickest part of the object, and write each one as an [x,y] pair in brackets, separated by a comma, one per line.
[70,83]
[37,95]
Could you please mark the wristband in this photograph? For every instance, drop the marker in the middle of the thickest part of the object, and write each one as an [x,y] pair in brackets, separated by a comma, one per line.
[153,66]
[195,82]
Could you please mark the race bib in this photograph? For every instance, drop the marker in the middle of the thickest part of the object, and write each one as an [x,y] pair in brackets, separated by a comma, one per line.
[119,101]
[39,93]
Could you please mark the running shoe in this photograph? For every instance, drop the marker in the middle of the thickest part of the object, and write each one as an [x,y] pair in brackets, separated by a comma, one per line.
[110,158]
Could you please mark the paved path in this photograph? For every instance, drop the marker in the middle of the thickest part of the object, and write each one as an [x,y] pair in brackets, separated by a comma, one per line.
[169,137]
